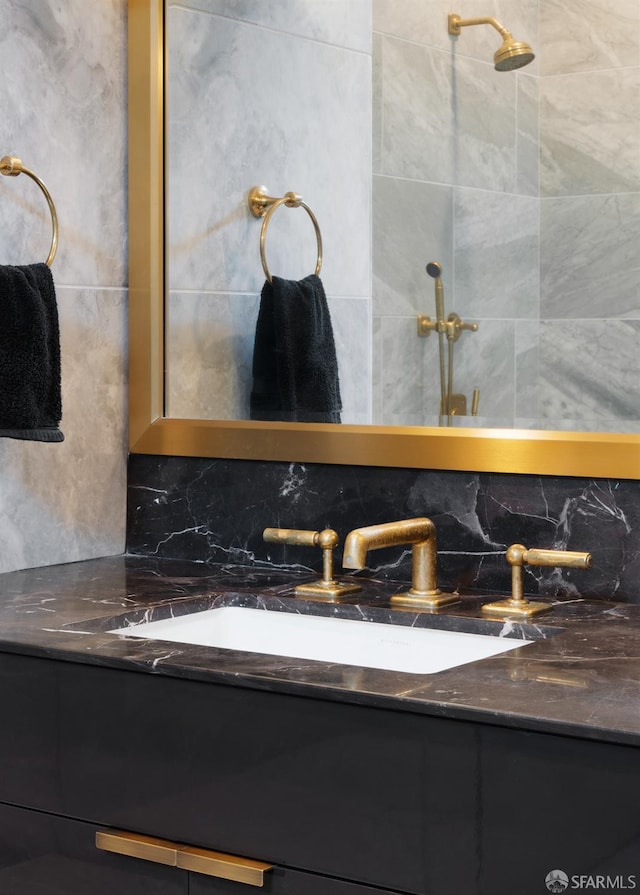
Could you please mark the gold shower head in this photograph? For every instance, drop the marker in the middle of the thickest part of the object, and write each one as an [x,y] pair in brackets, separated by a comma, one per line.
[511,55]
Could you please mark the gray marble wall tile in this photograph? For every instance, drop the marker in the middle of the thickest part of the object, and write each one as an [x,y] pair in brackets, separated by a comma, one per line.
[239,111]
[412,225]
[209,355]
[590,256]
[528,139]
[376,90]
[585,35]
[421,21]
[527,362]
[64,113]
[63,109]
[630,427]
[376,372]
[590,370]
[406,373]
[66,502]
[480,421]
[346,24]
[351,322]
[590,133]
[446,123]
[496,259]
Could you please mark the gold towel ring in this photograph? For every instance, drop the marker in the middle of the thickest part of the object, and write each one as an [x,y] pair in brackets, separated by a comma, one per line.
[263,206]
[11,166]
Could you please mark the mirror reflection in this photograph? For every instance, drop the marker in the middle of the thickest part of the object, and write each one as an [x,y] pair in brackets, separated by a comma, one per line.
[411,149]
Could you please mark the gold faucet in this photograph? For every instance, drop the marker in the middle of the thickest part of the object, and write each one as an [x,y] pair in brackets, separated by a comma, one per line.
[517,555]
[421,533]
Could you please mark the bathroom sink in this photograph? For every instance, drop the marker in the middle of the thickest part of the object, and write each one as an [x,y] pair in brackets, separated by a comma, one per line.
[330,640]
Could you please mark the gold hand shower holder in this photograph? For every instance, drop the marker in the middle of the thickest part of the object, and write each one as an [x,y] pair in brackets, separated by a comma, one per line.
[263,206]
[451,404]
[11,166]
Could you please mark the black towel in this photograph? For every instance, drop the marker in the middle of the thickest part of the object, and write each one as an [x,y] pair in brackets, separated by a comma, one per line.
[30,393]
[295,369]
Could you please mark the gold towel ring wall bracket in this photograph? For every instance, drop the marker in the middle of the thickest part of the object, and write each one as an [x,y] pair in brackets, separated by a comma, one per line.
[263,206]
[11,166]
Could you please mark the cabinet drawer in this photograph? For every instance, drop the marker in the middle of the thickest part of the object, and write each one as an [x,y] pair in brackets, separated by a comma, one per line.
[337,790]
[215,873]
[41,854]
[282,881]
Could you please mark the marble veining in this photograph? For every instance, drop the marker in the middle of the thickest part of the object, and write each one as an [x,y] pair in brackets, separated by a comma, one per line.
[216,510]
[578,677]
[596,34]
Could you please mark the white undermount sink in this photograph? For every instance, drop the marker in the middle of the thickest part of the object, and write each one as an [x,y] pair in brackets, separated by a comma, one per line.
[332,640]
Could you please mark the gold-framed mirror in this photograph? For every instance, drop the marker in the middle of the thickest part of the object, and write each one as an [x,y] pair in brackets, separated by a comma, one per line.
[482,450]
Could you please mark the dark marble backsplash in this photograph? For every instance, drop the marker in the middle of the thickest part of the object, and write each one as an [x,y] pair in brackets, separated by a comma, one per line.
[214,511]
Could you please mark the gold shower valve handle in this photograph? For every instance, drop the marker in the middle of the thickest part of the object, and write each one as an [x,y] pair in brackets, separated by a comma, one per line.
[455,326]
[327,588]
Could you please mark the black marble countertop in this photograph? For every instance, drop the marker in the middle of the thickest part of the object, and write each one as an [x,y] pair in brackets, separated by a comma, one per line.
[581,676]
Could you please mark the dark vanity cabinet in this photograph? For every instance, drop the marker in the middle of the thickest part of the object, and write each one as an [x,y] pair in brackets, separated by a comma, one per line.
[42,854]
[341,799]
[84,750]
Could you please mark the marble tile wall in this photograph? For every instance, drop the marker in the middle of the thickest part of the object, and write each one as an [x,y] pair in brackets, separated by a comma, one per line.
[253,100]
[216,510]
[526,187]
[455,180]
[63,109]
[590,215]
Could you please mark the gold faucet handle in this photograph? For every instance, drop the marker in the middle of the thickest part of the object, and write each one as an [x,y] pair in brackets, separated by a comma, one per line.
[327,539]
[517,556]
[327,588]
[571,559]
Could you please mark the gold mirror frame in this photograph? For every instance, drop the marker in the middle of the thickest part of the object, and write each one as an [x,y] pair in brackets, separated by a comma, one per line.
[536,452]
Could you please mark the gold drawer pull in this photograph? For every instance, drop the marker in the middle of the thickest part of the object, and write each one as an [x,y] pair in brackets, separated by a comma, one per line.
[186,857]
[160,851]
[213,863]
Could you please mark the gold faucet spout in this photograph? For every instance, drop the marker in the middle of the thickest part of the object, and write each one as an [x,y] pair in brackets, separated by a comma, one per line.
[421,534]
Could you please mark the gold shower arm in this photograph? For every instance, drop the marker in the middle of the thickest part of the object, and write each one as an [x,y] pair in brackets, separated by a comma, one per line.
[456,23]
